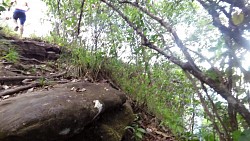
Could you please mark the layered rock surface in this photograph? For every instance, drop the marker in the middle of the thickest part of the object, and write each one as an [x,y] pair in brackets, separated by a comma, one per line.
[74,111]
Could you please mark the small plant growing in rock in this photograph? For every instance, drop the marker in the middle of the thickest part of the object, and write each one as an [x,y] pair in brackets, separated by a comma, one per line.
[137,131]
[42,81]
[11,56]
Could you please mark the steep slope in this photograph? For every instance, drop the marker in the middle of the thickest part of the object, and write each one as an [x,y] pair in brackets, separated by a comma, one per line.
[35,87]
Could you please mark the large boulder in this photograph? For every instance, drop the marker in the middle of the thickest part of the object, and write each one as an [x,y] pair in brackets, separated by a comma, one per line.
[64,111]
[38,50]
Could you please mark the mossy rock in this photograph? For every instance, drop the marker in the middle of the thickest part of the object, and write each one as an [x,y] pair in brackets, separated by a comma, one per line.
[5,45]
[110,127]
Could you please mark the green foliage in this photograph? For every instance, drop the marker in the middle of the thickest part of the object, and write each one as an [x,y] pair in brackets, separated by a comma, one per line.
[188,136]
[176,7]
[245,135]
[11,56]
[4,5]
[162,96]
[136,130]
[159,86]
[35,37]
[241,136]
[207,134]
[8,32]
[42,81]
[82,63]
[2,8]
[55,39]
[236,135]
[213,75]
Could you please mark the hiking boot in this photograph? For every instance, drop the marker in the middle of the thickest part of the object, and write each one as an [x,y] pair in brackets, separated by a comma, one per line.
[16,28]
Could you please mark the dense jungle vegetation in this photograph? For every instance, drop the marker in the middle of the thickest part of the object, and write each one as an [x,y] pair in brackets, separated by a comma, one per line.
[185,61]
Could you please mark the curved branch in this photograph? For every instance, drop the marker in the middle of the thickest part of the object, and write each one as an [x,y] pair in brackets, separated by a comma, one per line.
[202,57]
[58,7]
[144,38]
[18,89]
[216,112]
[80,18]
[169,29]
[205,107]
[220,88]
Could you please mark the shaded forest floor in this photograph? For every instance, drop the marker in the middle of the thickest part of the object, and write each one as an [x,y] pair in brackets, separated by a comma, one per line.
[39,69]
[154,130]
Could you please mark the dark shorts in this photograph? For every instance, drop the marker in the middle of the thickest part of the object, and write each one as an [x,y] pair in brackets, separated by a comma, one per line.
[20,14]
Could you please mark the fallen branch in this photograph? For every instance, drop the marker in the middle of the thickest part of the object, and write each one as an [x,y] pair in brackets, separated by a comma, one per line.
[31,59]
[18,71]
[28,86]
[20,78]
[58,75]
[18,89]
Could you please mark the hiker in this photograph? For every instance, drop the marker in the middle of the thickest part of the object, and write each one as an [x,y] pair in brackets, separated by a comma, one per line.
[21,6]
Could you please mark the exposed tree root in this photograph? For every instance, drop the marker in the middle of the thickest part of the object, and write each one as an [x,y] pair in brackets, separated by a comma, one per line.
[20,78]
[31,60]
[18,89]
[28,86]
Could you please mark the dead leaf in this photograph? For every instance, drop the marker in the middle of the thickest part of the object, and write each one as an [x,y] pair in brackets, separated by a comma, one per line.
[46,87]
[8,66]
[82,90]
[106,89]
[6,96]
[74,80]
[163,134]
[27,80]
[30,90]
[73,89]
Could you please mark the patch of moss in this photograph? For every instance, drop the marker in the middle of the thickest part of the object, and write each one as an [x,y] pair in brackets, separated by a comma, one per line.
[111,126]
[114,123]
[5,45]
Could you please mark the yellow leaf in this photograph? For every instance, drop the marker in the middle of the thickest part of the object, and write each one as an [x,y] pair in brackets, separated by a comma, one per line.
[238,18]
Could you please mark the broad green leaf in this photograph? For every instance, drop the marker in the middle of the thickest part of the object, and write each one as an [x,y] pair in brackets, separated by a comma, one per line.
[2,8]
[139,135]
[141,130]
[245,135]
[236,135]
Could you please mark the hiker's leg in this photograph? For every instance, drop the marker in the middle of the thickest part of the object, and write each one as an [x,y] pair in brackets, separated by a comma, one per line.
[22,21]
[21,30]
[15,22]
[15,17]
